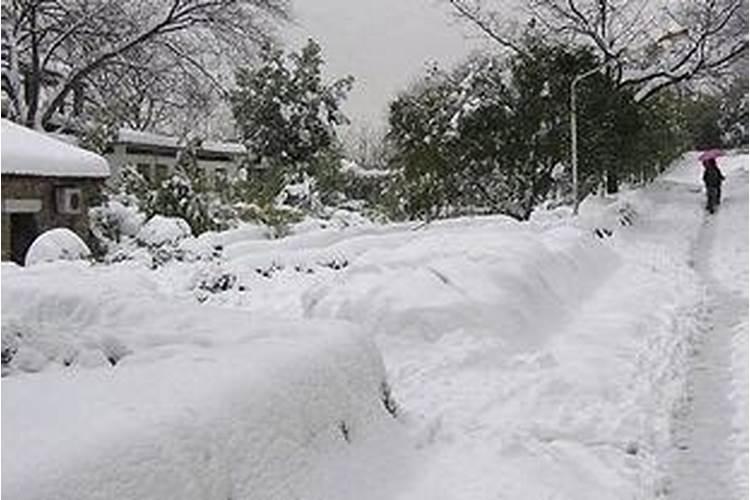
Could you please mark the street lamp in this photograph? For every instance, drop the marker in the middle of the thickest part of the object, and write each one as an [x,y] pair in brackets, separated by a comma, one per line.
[574,129]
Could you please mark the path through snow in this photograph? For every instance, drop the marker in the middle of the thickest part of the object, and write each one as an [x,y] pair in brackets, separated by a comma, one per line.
[590,414]
[710,463]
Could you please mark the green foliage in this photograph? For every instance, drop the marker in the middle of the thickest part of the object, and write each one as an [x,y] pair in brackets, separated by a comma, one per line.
[703,113]
[186,193]
[287,116]
[718,119]
[283,109]
[486,137]
[277,218]
[734,112]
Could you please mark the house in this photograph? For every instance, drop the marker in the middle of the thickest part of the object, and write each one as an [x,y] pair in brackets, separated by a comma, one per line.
[155,155]
[46,183]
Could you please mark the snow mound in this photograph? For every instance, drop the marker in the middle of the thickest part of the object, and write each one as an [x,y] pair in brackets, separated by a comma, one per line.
[56,244]
[514,285]
[160,398]
[160,230]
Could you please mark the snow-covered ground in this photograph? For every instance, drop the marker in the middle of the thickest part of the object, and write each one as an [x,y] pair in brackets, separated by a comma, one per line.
[551,359]
[117,390]
[713,458]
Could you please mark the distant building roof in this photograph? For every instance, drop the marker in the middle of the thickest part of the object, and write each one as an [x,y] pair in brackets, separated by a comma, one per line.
[137,137]
[28,152]
[130,136]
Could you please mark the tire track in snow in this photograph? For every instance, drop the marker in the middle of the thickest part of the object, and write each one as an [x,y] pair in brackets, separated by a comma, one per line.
[703,455]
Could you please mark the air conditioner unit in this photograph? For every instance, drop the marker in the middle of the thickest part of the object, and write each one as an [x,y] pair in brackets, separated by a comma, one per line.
[69,200]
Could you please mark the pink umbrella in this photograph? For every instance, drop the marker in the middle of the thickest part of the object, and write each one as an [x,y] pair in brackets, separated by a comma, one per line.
[710,154]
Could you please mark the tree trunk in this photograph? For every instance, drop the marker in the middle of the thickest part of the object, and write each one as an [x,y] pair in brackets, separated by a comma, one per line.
[33,79]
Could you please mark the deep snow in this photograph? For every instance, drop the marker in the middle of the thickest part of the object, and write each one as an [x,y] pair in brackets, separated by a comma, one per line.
[551,359]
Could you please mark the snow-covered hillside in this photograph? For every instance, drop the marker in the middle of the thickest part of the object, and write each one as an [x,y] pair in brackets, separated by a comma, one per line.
[549,359]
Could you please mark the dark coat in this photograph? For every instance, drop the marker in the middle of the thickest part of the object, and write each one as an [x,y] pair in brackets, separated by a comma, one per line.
[712,176]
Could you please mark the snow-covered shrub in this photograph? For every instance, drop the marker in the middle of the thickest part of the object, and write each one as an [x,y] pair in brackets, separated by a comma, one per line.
[186,193]
[277,219]
[56,244]
[213,278]
[32,347]
[113,220]
[161,230]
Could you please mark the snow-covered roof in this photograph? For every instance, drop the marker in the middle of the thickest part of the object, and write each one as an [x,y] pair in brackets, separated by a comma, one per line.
[130,136]
[224,147]
[28,152]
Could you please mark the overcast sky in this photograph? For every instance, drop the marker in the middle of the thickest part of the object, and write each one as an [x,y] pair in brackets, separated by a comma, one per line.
[384,44]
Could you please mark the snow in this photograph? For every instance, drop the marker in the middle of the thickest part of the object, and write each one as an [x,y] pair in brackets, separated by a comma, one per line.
[160,230]
[56,244]
[233,148]
[549,359]
[127,219]
[352,167]
[729,264]
[202,402]
[130,136]
[27,152]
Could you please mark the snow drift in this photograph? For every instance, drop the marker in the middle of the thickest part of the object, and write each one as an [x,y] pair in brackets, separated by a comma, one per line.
[186,402]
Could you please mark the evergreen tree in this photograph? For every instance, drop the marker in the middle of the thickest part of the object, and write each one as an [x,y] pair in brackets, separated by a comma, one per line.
[287,115]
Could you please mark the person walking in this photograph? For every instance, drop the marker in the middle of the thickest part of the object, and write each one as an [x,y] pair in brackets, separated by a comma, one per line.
[712,178]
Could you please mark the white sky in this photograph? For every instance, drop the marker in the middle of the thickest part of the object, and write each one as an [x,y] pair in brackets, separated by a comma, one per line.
[384,44]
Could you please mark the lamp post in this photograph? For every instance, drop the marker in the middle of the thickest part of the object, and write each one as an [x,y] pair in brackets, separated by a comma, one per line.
[574,129]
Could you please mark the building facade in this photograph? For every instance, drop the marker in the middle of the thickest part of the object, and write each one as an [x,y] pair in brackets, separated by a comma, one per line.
[46,183]
[155,156]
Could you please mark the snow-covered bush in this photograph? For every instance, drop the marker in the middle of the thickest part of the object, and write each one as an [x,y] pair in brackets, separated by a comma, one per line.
[161,230]
[57,244]
[277,219]
[188,195]
[33,347]
[113,220]
[213,278]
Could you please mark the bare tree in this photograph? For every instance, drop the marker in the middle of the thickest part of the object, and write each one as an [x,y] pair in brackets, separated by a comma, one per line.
[150,91]
[59,55]
[655,43]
